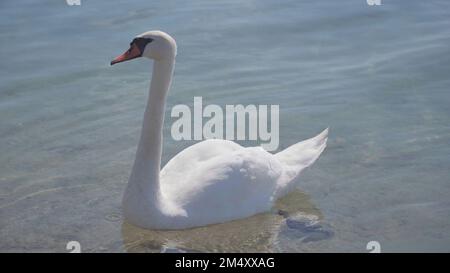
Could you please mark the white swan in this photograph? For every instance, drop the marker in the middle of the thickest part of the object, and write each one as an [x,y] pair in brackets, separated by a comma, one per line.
[210,182]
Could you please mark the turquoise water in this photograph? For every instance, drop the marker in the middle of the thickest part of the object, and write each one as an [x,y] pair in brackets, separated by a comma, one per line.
[378,76]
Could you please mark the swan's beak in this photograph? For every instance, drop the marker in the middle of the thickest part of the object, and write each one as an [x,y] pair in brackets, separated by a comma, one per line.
[132,53]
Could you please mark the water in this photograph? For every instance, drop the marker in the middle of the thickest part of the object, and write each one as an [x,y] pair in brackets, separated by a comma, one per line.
[377,76]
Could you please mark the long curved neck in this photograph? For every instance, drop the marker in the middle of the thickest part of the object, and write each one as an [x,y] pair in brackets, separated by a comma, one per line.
[145,173]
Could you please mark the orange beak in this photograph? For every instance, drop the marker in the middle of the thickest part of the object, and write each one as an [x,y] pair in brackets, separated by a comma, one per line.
[132,53]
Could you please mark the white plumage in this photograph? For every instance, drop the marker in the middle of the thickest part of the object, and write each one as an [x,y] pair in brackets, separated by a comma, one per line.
[210,182]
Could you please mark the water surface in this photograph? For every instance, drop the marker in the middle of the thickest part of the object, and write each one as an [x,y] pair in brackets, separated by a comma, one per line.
[377,76]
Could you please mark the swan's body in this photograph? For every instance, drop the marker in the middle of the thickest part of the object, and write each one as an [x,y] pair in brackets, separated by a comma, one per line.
[210,182]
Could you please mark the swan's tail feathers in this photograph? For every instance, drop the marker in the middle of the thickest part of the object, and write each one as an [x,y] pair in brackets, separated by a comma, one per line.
[301,155]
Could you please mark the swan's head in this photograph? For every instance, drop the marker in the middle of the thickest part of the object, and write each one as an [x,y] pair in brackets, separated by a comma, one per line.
[156,45]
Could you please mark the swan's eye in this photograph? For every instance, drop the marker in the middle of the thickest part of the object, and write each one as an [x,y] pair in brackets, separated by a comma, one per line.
[141,42]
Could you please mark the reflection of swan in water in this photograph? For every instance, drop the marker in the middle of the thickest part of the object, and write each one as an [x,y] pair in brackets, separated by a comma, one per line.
[254,234]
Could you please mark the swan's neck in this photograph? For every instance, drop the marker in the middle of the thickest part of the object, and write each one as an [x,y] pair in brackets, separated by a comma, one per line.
[145,173]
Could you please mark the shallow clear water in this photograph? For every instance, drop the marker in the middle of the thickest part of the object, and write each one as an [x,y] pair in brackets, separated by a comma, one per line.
[377,76]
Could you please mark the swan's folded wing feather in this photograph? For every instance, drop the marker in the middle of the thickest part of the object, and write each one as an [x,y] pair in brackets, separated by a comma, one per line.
[174,173]
[297,157]
[238,182]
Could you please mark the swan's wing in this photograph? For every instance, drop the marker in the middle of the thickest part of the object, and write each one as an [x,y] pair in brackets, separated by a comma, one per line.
[174,172]
[227,186]
[217,181]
